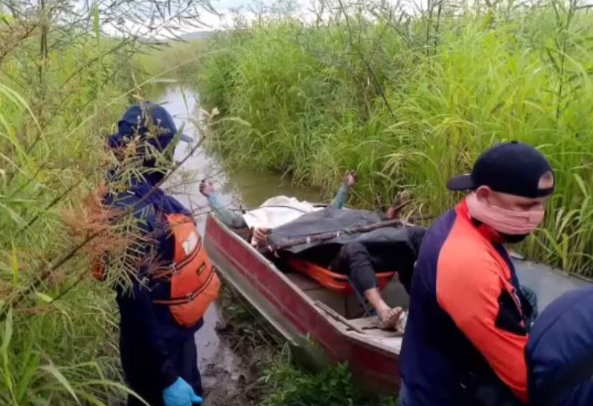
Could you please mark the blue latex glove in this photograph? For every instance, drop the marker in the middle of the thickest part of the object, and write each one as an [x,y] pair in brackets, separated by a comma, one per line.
[181,394]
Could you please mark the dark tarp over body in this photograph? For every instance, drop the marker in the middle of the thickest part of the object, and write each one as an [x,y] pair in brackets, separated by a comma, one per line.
[390,248]
[333,220]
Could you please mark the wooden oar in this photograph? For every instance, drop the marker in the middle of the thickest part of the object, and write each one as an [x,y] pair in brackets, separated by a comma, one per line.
[333,234]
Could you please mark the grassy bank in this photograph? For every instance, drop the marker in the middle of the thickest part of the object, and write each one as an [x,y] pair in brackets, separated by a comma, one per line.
[273,374]
[58,327]
[410,101]
[63,86]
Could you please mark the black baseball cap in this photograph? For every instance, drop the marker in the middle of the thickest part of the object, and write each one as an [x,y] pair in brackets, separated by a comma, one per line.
[513,168]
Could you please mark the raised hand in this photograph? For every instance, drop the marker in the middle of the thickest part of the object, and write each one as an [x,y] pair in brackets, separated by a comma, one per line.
[206,188]
[350,178]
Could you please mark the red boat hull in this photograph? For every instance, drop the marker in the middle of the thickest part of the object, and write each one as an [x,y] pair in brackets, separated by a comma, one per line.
[294,313]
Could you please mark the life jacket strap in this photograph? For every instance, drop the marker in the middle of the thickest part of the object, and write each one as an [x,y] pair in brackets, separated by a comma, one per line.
[187,298]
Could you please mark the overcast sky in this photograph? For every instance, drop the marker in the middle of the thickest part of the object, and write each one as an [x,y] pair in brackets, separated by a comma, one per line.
[225,10]
[223,16]
[305,7]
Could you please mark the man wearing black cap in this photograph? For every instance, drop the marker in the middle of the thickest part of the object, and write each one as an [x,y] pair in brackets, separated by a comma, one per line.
[172,281]
[467,330]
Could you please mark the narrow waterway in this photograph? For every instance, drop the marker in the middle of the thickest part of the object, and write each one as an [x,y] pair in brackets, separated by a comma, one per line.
[249,188]
[221,368]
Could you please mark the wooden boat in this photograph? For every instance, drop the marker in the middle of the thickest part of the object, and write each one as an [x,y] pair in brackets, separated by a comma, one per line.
[305,312]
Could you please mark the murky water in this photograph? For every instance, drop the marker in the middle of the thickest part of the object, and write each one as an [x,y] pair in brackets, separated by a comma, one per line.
[547,282]
[250,188]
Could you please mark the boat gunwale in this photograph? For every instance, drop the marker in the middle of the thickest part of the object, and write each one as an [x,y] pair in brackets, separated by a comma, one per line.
[351,335]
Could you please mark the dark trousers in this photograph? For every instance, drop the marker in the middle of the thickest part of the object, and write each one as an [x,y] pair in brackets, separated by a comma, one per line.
[354,261]
[144,380]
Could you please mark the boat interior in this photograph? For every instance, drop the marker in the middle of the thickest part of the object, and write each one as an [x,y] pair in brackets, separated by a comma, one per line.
[348,305]
[348,311]
[354,317]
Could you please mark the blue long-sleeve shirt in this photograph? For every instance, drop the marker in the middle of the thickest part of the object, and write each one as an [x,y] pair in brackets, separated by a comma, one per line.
[235,219]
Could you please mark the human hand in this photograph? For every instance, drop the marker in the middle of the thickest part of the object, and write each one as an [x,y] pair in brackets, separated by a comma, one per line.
[181,394]
[350,178]
[392,213]
[206,188]
[260,236]
[401,200]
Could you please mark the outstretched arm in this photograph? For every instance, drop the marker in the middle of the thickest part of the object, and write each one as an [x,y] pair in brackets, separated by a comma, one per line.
[225,215]
[341,197]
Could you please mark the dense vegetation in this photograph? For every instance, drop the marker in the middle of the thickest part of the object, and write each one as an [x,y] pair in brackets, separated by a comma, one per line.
[63,85]
[410,100]
[64,82]
[406,100]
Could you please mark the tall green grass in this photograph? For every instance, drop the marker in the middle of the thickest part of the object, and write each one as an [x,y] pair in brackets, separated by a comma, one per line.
[58,328]
[177,59]
[410,101]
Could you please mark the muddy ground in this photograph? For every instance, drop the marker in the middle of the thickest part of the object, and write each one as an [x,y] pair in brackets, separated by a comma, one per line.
[233,375]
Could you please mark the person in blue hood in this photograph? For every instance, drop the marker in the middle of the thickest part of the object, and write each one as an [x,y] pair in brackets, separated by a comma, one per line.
[158,354]
[560,352]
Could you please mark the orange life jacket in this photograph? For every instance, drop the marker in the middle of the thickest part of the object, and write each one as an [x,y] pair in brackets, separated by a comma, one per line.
[98,269]
[194,282]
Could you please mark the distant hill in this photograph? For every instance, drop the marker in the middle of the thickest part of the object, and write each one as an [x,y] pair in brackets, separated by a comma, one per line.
[196,35]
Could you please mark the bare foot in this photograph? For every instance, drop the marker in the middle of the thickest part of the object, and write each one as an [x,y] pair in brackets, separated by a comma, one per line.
[390,317]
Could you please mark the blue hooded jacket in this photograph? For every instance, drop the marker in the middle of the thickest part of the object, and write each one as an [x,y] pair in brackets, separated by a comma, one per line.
[560,352]
[147,330]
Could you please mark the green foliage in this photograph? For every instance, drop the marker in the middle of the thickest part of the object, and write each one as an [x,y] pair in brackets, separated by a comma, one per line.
[56,355]
[291,386]
[178,59]
[409,102]
[57,327]
[285,376]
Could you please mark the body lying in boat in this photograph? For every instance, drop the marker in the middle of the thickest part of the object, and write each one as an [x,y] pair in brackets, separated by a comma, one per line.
[358,246]
[365,260]
[306,311]
[359,261]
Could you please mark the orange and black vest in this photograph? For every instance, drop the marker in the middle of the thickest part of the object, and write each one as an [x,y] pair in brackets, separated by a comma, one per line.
[194,282]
